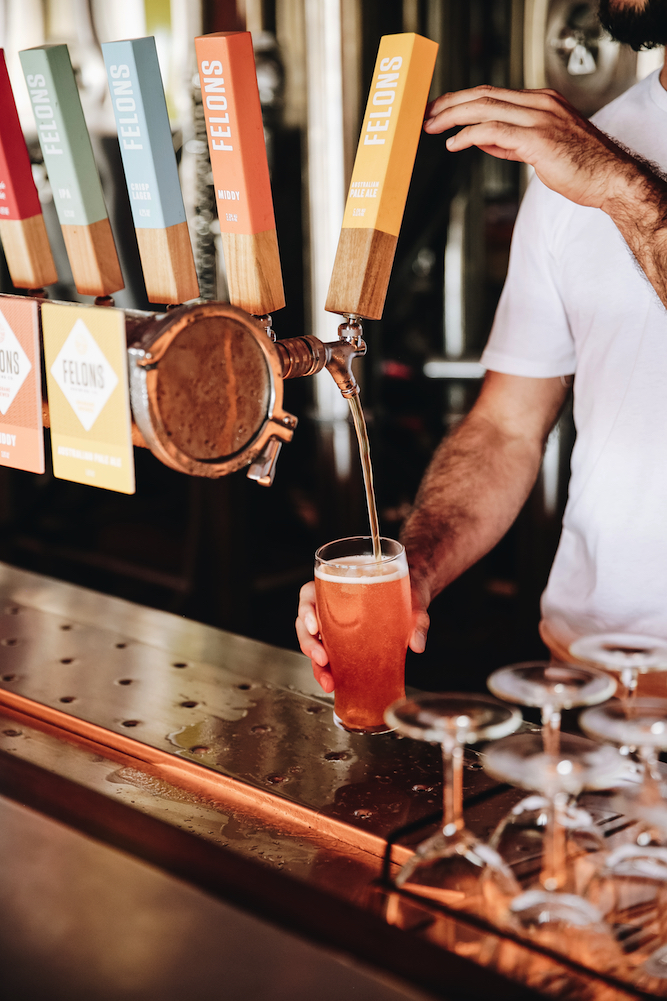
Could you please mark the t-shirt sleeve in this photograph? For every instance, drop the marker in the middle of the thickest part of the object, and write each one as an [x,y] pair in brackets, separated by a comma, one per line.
[531,334]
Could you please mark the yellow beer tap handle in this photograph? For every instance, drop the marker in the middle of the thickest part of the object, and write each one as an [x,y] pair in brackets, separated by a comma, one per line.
[381,176]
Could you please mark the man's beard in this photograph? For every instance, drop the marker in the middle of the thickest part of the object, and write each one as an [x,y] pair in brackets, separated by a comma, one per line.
[641,29]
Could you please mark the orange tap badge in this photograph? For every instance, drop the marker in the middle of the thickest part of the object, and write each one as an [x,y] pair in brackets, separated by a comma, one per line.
[21,434]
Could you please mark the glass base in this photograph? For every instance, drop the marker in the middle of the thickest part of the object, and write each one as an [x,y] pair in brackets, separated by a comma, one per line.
[541,907]
[461,872]
[380,728]
[656,965]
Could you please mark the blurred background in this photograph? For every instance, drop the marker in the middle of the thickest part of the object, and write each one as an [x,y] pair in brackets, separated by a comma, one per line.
[230,553]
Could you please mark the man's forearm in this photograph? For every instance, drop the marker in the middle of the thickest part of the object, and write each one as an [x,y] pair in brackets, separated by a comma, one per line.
[471,494]
[637,205]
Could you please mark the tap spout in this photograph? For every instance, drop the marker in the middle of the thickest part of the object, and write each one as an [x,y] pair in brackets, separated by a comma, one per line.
[308,355]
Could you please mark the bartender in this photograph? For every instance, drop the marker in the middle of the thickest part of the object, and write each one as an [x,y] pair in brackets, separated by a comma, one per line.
[585,296]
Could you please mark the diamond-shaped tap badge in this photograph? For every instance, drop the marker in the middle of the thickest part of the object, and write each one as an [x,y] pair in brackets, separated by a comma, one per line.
[84,375]
[14,366]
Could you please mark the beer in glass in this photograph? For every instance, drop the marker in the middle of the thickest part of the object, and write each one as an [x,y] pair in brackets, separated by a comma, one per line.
[364,612]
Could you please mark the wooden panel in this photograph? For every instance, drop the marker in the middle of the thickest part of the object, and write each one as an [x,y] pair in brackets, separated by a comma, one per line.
[28,252]
[92,256]
[361,272]
[168,265]
[253,271]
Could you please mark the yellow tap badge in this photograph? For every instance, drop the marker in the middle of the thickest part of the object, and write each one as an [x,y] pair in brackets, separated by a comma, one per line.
[89,402]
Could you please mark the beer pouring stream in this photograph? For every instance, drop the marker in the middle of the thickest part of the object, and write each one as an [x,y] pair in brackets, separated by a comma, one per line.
[367,469]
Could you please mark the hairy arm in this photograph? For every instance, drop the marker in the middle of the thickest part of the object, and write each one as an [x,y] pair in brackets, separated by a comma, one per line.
[570,155]
[478,480]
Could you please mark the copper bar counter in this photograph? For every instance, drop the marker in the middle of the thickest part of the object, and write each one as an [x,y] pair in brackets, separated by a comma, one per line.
[179,813]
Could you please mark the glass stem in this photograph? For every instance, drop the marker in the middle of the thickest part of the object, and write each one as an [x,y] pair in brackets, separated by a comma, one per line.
[651,784]
[452,789]
[629,679]
[550,729]
[552,876]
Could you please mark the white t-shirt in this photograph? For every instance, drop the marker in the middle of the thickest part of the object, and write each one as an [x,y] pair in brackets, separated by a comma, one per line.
[576,301]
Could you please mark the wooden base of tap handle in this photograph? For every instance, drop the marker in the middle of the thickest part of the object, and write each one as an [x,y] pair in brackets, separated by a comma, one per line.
[28,252]
[254,277]
[93,258]
[168,264]
[361,272]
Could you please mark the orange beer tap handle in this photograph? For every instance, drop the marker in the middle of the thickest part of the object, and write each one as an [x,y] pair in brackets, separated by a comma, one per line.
[240,170]
[22,228]
[381,175]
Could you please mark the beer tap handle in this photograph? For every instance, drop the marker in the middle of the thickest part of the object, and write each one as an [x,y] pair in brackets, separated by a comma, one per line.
[235,132]
[381,177]
[151,172]
[22,228]
[75,181]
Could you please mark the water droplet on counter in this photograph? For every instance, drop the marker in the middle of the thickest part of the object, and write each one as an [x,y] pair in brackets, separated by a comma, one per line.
[260,728]
[315,709]
[363,814]
[336,756]
[200,749]
[12,733]
[419,787]
[276,779]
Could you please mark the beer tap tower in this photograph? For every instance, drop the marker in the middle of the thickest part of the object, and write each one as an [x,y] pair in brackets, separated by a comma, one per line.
[206,378]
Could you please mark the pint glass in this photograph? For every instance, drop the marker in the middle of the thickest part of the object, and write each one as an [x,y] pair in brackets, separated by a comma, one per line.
[364,612]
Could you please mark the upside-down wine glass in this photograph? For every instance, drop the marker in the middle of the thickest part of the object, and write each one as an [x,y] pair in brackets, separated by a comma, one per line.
[559,777]
[640,723]
[552,688]
[626,654]
[634,879]
[447,866]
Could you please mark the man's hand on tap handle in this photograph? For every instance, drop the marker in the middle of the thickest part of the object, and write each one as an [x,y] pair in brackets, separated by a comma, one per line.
[570,155]
[308,634]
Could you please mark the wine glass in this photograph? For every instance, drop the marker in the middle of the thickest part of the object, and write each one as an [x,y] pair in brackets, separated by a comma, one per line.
[551,687]
[640,723]
[633,883]
[558,777]
[448,865]
[625,654]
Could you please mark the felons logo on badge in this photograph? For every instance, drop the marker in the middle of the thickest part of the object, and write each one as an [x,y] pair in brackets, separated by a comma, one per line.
[84,374]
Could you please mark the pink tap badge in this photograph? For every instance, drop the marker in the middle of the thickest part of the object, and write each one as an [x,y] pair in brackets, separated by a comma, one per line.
[21,434]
